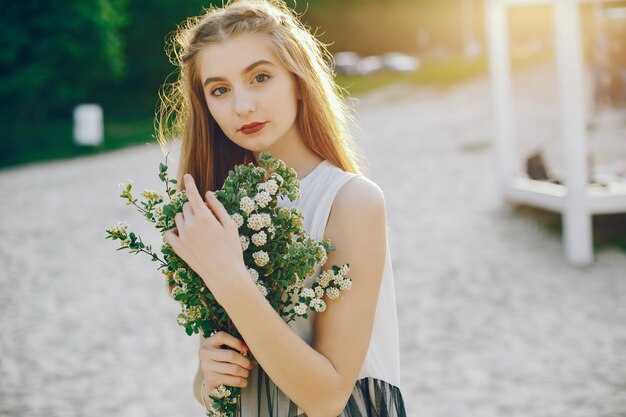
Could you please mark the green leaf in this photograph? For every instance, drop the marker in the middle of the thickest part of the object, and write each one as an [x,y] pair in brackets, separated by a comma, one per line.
[169,210]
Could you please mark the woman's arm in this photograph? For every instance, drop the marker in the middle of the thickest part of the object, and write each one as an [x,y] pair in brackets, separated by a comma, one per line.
[321,378]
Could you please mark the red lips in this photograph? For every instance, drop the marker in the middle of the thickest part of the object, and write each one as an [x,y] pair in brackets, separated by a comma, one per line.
[252,127]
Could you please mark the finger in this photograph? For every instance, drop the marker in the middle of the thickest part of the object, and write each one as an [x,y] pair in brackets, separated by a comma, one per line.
[193,195]
[218,209]
[216,380]
[225,368]
[224,338]
[187,211]
[171,238]
[179,220]
[228,356]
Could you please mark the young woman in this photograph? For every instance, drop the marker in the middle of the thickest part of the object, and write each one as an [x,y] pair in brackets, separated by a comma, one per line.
[252,78]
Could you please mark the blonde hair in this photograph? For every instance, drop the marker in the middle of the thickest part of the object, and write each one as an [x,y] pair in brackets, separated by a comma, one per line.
[206,153]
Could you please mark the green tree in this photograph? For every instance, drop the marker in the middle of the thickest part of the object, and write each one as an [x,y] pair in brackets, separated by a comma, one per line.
[53,52]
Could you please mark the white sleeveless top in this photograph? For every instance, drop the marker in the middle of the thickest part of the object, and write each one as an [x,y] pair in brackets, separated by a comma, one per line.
[379,378]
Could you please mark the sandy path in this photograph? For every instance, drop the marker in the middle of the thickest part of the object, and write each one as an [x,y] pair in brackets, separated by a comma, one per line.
[493,320]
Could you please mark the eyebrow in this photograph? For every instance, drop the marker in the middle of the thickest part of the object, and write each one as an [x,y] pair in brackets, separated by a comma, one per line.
[247,69]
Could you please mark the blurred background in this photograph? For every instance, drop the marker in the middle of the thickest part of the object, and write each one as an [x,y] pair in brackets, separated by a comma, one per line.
[496,317]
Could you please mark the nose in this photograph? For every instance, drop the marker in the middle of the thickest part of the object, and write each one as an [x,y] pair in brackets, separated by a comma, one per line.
[243,104]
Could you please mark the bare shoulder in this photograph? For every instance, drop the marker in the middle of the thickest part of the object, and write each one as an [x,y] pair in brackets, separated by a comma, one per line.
[359,198]
[358,208]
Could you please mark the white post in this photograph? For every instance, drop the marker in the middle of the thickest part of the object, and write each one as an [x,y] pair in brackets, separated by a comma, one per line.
[577,227]
[88,125]
[501,91]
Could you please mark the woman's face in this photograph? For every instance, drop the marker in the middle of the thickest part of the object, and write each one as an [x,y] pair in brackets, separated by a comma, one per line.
[244,82]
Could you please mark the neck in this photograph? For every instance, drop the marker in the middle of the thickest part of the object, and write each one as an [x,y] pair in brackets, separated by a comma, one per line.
[295,154]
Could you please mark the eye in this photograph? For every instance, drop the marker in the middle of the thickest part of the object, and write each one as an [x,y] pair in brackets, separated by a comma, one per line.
[215,89]
[262,75]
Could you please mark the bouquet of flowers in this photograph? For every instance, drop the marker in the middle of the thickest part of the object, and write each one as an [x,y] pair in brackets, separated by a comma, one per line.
[278,253]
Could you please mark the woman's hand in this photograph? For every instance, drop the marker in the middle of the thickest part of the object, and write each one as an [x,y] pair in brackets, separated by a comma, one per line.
[223,366]
[207,239]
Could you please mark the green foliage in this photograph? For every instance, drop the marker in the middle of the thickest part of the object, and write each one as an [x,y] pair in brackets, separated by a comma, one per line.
[54,51]
[278,252]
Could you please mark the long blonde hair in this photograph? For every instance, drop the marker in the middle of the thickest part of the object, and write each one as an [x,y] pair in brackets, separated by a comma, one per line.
[323,116]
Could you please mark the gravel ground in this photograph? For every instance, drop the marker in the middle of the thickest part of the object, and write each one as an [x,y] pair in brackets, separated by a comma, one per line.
[493,320]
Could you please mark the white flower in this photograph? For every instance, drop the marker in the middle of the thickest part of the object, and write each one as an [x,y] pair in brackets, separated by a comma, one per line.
[272,232]
[119,227]
[255,222]
[247,205]
[194,312]
[177,290]
[260,170]
[307,292]
[259,238]
[324,278]
[253,274]
[344,269]
[262,288]
[332,293]
[278,178]
[300,309]
[220,392]
[319,292]
[266,219]
[321,255]
[318,305]
[346,284]
[189,314]
[296,216]
[271,186]
[238,218]
[263,198]
[245,242]
[157,213]
[261,258]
